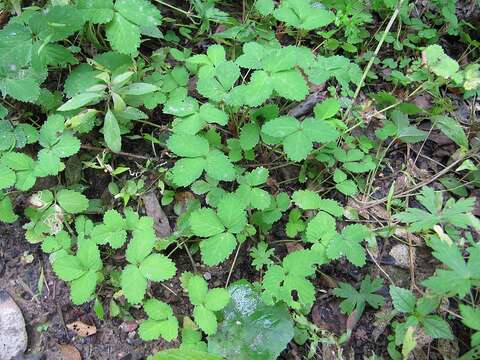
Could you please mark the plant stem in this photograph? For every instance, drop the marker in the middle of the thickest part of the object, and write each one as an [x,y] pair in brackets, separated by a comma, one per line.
[374,56]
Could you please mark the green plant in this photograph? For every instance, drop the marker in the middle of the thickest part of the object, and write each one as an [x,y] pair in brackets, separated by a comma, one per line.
[160,323]
[219,227]
[355,300]
[206,301]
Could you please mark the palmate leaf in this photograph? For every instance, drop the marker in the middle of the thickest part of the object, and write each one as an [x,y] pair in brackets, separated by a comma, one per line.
[459,276]
[453,212]
[303,14]
[356,299]
[348,244]
[161,321]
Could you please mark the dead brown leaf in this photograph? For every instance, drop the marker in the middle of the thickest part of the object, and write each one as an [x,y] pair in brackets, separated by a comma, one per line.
[155,211]
[82,329]
[69,352]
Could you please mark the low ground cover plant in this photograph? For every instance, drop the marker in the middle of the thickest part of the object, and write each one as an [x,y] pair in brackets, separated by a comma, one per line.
[291,144]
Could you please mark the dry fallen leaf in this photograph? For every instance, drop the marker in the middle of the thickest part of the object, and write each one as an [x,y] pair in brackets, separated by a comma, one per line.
[69,352]
[155,211]
[82,329]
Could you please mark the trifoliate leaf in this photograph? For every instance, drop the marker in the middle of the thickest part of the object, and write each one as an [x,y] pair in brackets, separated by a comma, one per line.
[72,201]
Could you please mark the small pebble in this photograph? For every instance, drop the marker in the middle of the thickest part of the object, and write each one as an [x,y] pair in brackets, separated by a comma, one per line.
[207,276]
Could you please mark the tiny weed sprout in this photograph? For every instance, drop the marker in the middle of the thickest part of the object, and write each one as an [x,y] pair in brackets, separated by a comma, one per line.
[250,179]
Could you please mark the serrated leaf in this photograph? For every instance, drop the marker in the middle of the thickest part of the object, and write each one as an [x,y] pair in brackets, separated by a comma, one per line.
[122,35]
[306,199]
[219,167]
[133,284]
[216,299]
[205,319]
[197,289]
[189,146]
[205,223]
[217,248]
[403,299]
[231,213]
[68,268]
[186,171]
[157,267]
[82,289]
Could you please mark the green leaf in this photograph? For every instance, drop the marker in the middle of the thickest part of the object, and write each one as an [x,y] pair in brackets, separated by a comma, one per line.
[290,84]
[356,300]
[89,255]
[348,244]
[205,319]
[140,12]
[133,284]
[157,267]
[68,268]
[297,146]
[217,248]
[281,126]
[306,199]
[249,136]
[302,14]
[219,167]
[111,132]
[177,354]
[186,171]
[205,223]
[72,201]
[403,299]
[216,299]
[122,35]
[436,327]
[83,288]
[81,100]
[188,145]
[197,289]
[326,109]
[440,64]
[347,187]
[232,214]
[140,245]
[264,7]
[96,11]
[8,177]
[262,332]
[321,227]
[6,210]
[452,129]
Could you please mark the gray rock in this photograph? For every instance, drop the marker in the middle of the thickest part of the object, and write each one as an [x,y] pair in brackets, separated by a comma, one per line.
[13,335]
[401,255]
